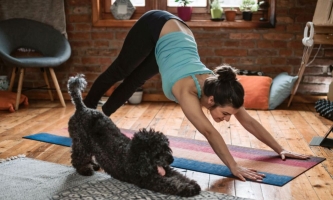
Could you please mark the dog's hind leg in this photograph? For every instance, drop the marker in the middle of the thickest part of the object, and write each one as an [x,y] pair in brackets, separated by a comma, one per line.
[82,159]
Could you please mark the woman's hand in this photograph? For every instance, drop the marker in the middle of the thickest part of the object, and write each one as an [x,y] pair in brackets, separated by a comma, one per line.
[242,173]
[288,154]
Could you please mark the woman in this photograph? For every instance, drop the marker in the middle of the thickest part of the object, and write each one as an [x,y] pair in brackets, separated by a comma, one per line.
[160,42]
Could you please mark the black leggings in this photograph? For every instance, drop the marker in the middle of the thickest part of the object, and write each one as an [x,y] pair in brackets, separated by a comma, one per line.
[135,63]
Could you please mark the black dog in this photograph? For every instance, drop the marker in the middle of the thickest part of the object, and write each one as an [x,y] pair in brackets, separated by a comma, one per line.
[144,161]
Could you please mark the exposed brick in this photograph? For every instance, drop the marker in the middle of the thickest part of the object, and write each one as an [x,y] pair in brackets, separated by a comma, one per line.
[317,79]
[82,27]
[230,61]
[262,52]
[206,51]
[278,61]
[329,53]
[304,18]
[214,60]
[285,52]
[244,36]
[231,52]
[212,43]
[79,2]
[79,36]
[263,61]
[209,35]
[121,35]
[79,18]
[295,28]
[284,20]
[314,89]
[109,52]
[307,4]
[247,61]
[313,70]
[102,35]
[81,10]
[247,43]
[81,44]
[276,69]
[230,43]
[103,43]
[278,36]
[293,61]
[284,3]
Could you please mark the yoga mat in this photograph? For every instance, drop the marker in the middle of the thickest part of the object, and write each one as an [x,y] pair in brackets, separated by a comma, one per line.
[198,156]
[31,179]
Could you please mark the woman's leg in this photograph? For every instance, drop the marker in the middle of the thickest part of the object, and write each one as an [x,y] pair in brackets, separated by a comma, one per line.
[137,46]
[137,78]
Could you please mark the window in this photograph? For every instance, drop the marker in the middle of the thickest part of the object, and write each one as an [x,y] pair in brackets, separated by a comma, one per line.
[102,16]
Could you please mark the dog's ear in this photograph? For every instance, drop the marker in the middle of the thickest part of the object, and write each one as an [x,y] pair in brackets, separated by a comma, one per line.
[144,165]
[140,156]
[140,164]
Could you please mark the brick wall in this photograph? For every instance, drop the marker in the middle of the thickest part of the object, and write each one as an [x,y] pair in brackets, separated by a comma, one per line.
[268,50]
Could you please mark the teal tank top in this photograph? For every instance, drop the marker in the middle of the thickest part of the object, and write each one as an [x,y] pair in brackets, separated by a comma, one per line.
[177,57]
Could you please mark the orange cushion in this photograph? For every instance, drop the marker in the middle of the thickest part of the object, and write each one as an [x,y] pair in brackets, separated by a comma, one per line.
[256,91]
[8,99]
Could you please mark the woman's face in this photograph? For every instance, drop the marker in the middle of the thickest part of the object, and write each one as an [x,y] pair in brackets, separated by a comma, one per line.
[222,113]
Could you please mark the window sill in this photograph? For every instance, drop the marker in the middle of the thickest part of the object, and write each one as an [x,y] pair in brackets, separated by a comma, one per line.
[100,19]
[192,23]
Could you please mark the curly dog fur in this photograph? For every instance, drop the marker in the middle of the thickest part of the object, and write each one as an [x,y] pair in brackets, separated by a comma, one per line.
[133,160]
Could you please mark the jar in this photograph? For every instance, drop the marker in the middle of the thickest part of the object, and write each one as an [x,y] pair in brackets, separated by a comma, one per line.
[3,83]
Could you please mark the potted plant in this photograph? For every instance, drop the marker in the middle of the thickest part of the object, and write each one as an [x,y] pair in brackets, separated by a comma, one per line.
[136,98]
[184,11]
[215,9]
[247,7]
[230,14]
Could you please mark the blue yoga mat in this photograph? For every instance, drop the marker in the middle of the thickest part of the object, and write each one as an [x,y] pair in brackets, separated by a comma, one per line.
[53,139]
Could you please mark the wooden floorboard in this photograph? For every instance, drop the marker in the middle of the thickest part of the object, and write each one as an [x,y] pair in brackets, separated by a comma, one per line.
[292,127]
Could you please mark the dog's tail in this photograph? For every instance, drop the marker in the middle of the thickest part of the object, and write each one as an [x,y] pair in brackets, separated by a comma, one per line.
[75,86]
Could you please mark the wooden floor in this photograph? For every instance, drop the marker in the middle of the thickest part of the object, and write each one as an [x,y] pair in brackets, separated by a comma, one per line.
[293,127]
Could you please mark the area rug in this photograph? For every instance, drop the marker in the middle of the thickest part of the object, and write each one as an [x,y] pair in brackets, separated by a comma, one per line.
[31,179]
[199,156]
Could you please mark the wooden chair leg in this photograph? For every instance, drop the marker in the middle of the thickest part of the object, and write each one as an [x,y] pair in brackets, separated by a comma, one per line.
[47,83]
[12,79]
[56,85]
[19,89]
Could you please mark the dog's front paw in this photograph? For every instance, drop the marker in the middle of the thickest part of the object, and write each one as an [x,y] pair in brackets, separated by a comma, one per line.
[191,189]
[85,171]
[95,166]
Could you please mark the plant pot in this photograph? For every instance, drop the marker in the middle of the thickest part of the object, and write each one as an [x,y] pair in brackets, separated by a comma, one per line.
[216,13]
[184,13]
[247,16]
[230,15]
[136,98]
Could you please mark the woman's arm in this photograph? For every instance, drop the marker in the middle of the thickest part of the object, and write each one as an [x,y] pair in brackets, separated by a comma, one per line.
[256,129]
[193,111]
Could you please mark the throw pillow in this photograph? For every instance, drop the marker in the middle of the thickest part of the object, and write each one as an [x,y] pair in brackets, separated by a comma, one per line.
[256,90]
[8,99]
[281,89]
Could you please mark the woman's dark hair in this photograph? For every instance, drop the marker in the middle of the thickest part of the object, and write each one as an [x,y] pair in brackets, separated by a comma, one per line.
[224,87]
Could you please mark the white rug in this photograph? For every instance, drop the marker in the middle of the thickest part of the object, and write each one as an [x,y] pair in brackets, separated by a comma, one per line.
[30,179]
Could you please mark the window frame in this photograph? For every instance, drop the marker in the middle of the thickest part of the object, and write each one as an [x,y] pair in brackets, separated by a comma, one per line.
[102,17]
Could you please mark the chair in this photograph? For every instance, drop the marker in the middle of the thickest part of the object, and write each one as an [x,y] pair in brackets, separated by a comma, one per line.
[50,43]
